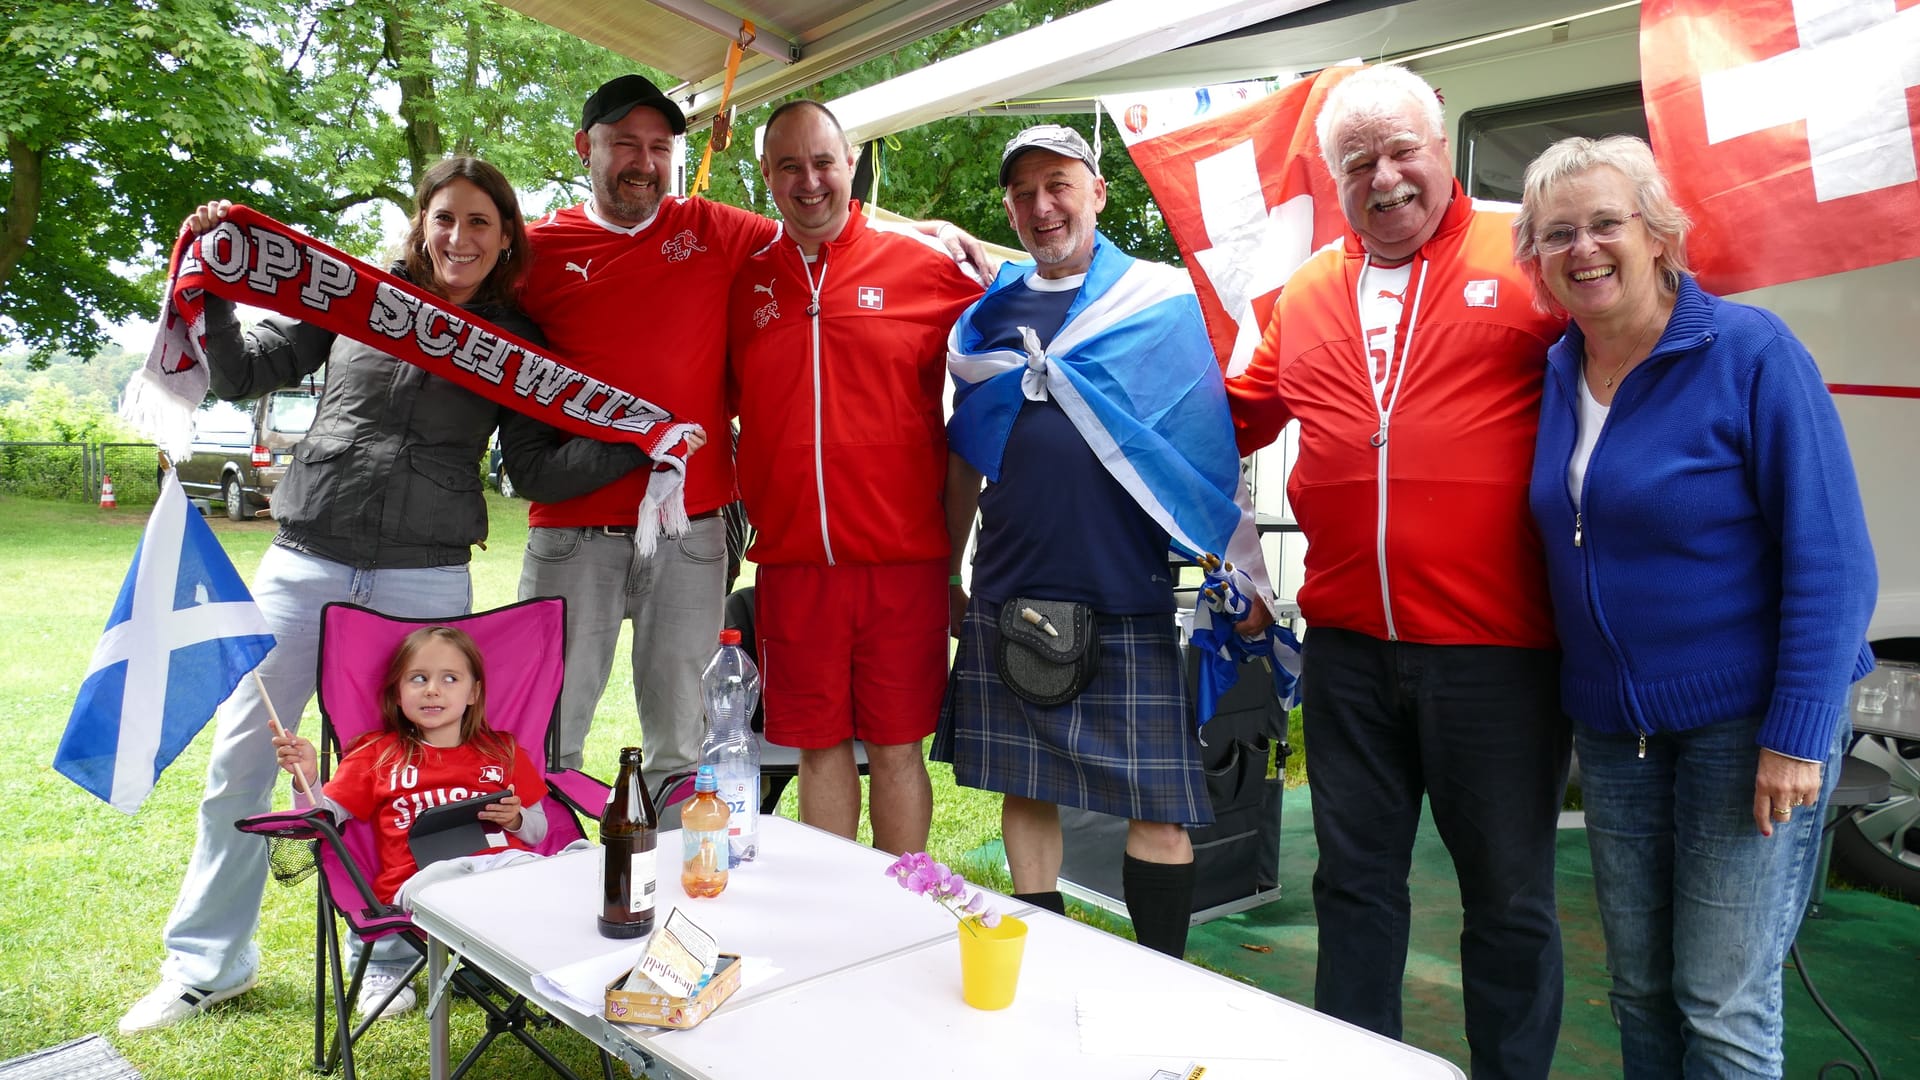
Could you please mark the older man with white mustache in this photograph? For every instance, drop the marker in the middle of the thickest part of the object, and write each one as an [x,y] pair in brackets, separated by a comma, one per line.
[1413,358]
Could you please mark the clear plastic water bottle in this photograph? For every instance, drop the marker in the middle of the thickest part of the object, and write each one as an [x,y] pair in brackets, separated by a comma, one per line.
[731,685]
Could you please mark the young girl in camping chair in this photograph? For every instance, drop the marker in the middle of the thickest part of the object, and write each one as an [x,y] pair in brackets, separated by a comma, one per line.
[435,747]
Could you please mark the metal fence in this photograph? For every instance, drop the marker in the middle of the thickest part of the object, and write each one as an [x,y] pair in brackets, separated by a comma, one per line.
[74,471]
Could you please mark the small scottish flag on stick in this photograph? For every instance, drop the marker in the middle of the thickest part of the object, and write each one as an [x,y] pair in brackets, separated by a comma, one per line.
[181,636]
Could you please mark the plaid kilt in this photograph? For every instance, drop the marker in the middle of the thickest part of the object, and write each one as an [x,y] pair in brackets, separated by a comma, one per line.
[1126,746]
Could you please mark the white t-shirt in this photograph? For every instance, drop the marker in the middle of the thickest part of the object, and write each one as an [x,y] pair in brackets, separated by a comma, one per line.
[1382,297]
[1593,417]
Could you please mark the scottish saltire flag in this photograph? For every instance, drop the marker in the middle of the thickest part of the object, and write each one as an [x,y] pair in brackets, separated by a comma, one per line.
[182,634]
[1133,369]
[1223,602]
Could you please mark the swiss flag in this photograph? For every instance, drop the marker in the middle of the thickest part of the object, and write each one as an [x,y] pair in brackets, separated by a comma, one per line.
[1787,129]
[1247,200]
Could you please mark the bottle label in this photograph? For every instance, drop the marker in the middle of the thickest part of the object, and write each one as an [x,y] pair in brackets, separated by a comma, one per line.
[704,851]
[742,796]
[643,878]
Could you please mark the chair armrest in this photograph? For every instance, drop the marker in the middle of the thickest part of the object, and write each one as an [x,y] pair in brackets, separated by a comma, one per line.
[583,794]
[295,824]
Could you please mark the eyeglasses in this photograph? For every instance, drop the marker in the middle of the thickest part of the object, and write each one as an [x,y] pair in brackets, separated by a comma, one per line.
[1561,237]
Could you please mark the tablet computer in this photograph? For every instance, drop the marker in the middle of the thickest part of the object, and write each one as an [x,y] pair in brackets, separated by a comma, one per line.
[451,830]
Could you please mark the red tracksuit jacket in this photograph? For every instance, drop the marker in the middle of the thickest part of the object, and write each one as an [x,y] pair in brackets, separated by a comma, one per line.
[843,448]
[1425,537]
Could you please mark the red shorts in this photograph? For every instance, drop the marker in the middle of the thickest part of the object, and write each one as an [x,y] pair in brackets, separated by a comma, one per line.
[852,652]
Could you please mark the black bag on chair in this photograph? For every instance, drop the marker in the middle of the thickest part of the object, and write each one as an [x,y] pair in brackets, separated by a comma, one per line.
[1048,651]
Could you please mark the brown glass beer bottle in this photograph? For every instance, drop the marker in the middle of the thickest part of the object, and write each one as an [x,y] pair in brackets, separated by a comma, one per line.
[629,829]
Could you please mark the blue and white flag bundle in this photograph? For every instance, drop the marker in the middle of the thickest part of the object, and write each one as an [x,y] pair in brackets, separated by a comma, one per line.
[1133,368]
[1224,600]
[182,634]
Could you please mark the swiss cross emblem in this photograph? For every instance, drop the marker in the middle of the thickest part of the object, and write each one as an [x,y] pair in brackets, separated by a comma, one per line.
[1483,293]
[492,774]
[872,297]
[1788,130]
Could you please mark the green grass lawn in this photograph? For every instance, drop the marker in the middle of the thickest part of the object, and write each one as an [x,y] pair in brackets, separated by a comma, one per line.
[85,890]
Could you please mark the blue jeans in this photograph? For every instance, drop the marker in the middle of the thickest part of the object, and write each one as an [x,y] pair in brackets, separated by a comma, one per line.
[673,598]
[209,936]
[1698,908]
[1478,730]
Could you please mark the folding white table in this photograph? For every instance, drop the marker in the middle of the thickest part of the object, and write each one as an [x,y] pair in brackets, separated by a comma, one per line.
[867,974]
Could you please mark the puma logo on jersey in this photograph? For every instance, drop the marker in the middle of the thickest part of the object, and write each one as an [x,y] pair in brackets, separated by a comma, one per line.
[767,288]
[1397,297]
[578,269]
[682,246]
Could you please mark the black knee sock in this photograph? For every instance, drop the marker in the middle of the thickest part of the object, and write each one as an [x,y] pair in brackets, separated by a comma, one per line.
[1160,898]
[1050,901]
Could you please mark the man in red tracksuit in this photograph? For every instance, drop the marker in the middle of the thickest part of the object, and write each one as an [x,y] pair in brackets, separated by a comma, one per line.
[836,363]
[1413,358]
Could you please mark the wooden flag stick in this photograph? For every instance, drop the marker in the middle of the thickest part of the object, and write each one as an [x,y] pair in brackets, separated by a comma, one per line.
[302,784]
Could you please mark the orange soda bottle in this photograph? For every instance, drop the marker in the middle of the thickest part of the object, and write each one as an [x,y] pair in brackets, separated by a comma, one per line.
[703,838]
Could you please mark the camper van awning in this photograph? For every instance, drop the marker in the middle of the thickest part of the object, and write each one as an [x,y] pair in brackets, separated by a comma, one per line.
[1124,46]
[1097,39]
[798,42]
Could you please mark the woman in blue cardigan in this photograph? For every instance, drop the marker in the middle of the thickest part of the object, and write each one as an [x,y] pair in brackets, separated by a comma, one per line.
[1712,581]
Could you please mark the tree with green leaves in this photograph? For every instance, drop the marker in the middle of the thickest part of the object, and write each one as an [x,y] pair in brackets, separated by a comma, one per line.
[120,117]
[114,115]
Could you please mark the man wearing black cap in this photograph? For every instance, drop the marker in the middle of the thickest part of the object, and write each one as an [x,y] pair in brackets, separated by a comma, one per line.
[1064,372]
[631,286]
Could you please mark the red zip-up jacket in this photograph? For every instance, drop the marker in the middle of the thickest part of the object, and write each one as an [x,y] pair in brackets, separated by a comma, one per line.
[843,449]
[1424,536]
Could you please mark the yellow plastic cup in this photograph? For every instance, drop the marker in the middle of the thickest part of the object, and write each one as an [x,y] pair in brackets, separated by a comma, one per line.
[990,961]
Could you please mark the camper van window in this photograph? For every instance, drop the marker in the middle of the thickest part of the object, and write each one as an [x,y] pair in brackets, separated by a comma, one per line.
[1498,142]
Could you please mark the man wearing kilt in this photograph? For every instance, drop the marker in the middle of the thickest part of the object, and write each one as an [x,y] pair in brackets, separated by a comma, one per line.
[1089,401]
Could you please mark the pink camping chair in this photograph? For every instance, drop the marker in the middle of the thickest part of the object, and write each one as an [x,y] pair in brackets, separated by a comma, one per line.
[523,646]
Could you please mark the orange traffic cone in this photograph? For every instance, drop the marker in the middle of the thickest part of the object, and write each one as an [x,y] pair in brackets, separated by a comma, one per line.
[106,492]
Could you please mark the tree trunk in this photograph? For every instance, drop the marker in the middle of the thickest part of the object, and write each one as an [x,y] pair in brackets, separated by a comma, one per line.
[409,54]
[23,205]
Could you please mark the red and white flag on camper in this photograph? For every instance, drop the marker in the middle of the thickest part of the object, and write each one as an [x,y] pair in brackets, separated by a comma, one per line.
[1788,129]
[1236,170]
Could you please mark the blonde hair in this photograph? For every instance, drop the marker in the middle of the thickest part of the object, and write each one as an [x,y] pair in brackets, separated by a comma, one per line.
[1576,156]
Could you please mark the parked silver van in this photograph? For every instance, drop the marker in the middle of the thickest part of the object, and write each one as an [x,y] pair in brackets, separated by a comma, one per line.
[242,449]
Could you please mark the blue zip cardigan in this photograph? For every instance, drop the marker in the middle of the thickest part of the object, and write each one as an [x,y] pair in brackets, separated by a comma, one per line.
[1719,566]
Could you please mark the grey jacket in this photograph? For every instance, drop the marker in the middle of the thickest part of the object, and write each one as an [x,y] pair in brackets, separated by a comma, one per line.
[389,473]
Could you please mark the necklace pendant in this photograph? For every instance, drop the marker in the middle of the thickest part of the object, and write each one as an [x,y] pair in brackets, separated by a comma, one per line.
[1608,381]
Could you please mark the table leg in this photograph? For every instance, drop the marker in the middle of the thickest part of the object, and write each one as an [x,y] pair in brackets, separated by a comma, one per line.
[438,1004]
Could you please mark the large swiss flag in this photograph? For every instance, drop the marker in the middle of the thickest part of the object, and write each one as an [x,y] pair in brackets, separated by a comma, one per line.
[1788,129]
[1244,194]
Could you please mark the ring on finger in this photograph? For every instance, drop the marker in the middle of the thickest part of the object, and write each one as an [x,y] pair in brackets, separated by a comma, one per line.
[1783,811]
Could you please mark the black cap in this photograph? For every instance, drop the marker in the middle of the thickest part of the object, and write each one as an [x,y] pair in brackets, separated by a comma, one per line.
[617,97]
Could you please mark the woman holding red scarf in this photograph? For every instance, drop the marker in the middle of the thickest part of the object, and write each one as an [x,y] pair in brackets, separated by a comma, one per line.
[381,507]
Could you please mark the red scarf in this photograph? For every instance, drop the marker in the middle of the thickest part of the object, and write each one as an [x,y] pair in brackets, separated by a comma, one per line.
[252,259]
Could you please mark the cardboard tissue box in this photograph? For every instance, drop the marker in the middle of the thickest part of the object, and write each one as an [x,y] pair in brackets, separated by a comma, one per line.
[660,1008]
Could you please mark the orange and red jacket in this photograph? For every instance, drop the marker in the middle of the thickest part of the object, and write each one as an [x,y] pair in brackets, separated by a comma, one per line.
[1416,523]
[843,447]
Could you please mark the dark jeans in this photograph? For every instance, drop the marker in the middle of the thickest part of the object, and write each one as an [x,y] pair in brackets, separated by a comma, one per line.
[1479,730]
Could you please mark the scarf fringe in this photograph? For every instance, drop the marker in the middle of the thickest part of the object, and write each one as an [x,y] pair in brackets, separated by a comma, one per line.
[150,406]
[663,512]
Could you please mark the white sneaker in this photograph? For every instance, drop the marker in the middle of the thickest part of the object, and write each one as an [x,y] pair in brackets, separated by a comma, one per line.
[171,1002]
[374,988]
